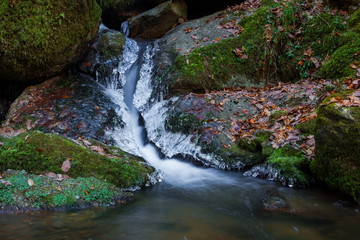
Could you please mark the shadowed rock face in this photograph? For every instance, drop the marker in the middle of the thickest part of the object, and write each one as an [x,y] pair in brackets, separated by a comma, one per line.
[201,8]
[157,21]
[117,11]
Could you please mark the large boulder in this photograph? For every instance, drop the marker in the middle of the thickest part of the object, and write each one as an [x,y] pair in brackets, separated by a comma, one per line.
[246,46]
[159,20]
[73,106]
[40,39]
[117,11]
[259,129]
[337,155]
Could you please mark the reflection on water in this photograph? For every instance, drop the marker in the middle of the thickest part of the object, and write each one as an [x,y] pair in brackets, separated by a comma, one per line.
[214,211]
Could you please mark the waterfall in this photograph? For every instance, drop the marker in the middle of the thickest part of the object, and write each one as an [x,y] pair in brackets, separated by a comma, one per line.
[129,87]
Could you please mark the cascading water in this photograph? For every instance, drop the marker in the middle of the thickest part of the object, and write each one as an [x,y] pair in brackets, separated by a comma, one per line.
[129,87]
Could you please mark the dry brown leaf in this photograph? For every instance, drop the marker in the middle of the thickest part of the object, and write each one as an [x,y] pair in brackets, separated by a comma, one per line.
[66,165]
[30,182]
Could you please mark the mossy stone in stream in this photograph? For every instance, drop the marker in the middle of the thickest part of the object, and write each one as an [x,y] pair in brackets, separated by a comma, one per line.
[292,164]
[182,122]
[43,38]
[37,153]
[110,45]
[337,155]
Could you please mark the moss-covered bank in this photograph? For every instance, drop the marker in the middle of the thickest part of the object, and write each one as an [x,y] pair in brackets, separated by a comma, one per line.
[37,153]
[24,192]
[40,38]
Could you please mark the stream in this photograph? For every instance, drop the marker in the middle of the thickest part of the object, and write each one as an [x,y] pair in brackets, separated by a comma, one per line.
[190,202]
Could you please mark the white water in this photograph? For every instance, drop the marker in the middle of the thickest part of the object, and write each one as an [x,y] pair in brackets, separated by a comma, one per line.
[130,88]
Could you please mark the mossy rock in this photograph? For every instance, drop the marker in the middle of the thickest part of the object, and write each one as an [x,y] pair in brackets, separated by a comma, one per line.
[337,155]
[267,53]
[47,193]
[40,39]
[292,165]
[37,153]
[338,66]
[110,45]
[182,122]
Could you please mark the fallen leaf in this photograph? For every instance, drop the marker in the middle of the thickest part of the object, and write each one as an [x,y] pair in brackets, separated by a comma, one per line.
[30,182]
[6,183]
[66,165]
[188,30]
[51,175]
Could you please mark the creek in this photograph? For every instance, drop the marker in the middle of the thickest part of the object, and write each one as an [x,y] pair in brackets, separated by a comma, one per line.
[191,202]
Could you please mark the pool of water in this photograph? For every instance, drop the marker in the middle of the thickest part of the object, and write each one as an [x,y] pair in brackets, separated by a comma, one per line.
[205,209]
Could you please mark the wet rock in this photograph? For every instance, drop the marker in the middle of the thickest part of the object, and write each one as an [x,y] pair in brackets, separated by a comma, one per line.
[105,53]
[239,131]
[274,202]
[73,106]
[38,46]
[159,20]
[337,158]
[285,165]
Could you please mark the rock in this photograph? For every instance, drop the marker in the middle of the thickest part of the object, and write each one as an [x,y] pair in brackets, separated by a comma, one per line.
[238,129]
[157,21]
[38,152]
[285,165]
[117,11]
[274,202]
[337,156]
[105,53]
[42,39]
[232,55]
[73,106]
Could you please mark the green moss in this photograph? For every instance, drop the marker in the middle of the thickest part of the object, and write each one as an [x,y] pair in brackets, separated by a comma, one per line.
[182,122]
[111,45]
[354,21]
[338,66]
[115,4]
[37,152]
[39,38]
[337,156]
[255,144]
[47,192]
[307,127]
[292,164]
[209,67]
